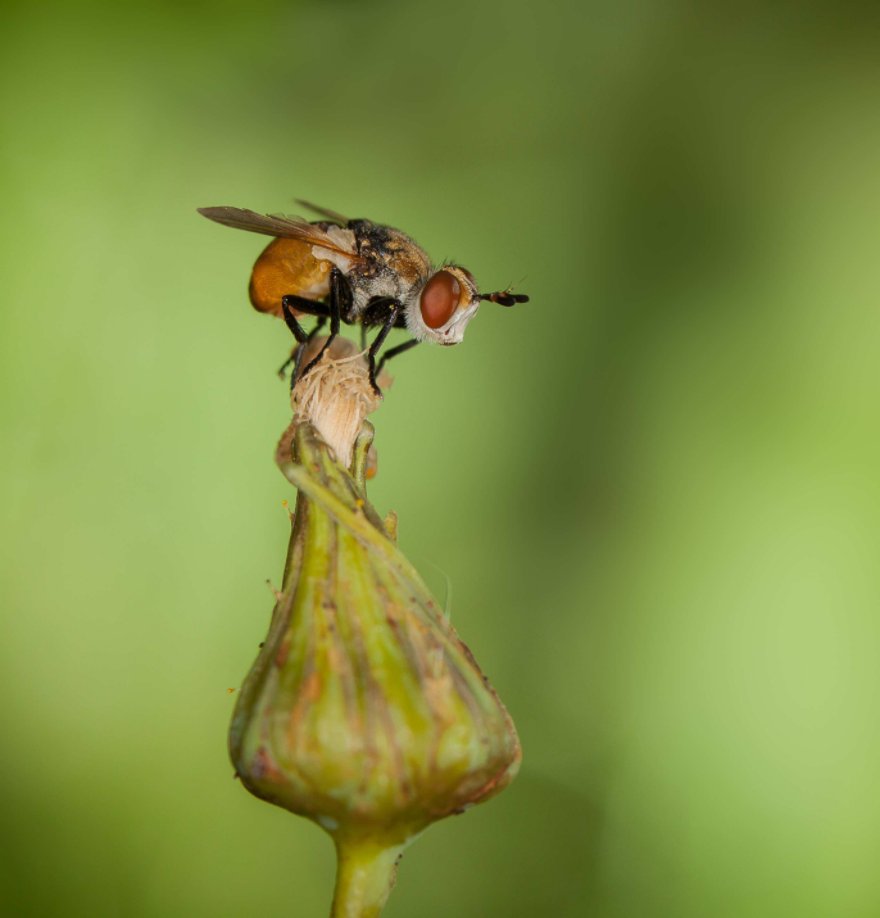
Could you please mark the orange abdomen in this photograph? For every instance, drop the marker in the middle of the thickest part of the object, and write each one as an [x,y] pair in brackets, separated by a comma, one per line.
[287,266]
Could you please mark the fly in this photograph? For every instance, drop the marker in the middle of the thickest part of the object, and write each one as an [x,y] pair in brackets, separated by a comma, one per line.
[359,273]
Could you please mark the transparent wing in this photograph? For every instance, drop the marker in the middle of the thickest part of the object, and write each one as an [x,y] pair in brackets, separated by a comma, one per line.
[276,225]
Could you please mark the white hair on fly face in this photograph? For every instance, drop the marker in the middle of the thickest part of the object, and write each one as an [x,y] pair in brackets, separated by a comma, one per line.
[415,325]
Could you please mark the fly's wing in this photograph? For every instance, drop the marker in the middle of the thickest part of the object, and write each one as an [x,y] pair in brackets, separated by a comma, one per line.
[278,225]
[331,215]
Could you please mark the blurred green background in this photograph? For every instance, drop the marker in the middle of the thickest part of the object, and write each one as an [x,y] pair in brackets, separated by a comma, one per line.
[654,489]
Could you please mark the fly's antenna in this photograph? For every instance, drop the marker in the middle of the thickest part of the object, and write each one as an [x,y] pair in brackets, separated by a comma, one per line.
[505,297]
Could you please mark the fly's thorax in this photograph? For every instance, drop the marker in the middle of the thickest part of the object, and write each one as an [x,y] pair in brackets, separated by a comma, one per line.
[387,249]
[367,286]
[441,307]
[392,264]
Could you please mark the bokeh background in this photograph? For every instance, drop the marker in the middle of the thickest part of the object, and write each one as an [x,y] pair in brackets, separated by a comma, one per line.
[649,498]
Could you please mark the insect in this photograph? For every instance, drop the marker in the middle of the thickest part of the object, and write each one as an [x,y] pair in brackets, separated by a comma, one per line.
[360,273]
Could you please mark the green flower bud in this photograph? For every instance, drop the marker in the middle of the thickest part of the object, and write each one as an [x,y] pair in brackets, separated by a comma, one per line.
[364,711]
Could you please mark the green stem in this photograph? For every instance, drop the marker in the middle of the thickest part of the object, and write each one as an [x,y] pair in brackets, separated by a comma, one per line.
[365,874]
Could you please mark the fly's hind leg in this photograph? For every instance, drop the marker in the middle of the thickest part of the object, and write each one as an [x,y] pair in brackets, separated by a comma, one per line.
[340,301]
[288,304]
[299,351]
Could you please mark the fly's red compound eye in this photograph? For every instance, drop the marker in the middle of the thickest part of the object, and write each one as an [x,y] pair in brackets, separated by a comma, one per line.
[439,299]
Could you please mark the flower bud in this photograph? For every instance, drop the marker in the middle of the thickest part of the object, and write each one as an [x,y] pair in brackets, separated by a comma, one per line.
[364,711]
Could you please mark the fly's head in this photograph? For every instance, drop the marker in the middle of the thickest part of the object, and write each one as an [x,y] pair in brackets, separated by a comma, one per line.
[442,308]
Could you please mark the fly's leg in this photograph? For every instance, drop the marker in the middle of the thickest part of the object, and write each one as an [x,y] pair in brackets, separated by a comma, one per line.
[288,304]
[340,296]
[282,370]
[394,351]
[299,351]
[378,341]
